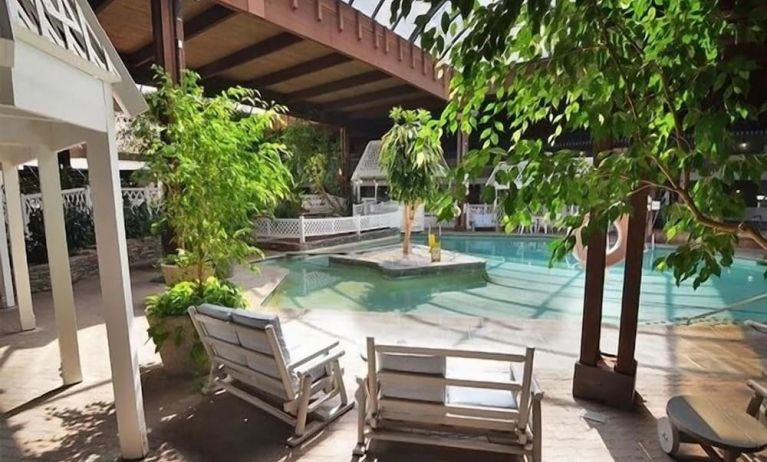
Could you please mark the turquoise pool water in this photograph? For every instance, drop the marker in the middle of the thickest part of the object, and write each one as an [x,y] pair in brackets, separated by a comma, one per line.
[519,283]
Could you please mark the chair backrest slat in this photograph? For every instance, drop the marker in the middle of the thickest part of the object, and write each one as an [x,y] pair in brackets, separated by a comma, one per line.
[520,386]
[251,349]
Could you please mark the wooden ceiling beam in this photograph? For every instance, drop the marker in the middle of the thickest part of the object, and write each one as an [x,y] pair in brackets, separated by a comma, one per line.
[192,28]
[318,22]
[429,103]
[337,85]
[308,67]
[400,91]
[100,5]
[249,53]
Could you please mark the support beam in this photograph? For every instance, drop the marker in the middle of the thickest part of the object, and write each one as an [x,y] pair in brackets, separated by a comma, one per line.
[337,85]
[249,53]
[398,92]
[632,282]
[18,245]
[100,5]
[299,70]
[193,27]
[168,33]
[58,262]
[117,299]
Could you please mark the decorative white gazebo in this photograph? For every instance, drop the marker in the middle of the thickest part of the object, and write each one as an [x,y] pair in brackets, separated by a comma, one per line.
[60,78]
[368,171]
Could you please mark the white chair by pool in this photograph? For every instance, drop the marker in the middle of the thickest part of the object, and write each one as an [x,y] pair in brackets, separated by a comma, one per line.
[409,396]
[251,359]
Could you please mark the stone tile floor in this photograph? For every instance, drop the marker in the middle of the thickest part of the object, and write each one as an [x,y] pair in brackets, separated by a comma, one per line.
[41,421]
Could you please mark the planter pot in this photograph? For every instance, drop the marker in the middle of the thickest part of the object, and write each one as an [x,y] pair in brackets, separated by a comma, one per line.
[176,348]
[174,274]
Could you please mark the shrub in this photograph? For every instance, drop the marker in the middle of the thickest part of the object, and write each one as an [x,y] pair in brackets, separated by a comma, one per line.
[175,300]
[138,221]
[79,229]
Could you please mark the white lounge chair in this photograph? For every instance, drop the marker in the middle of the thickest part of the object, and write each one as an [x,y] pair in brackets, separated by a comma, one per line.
[251,360]
[409,396]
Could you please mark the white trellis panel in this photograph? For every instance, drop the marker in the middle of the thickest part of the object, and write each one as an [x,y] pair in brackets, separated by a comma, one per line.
[63,23]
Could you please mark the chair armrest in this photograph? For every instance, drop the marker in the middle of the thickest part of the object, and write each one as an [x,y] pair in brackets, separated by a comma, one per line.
[758,388]
[535,389]
[310,353]
[307,366]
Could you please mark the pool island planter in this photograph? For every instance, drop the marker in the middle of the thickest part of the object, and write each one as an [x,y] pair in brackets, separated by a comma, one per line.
[392,263]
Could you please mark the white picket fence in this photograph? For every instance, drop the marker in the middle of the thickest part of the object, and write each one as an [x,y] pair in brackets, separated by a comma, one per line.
[488,216]
[376,216]
[80,199]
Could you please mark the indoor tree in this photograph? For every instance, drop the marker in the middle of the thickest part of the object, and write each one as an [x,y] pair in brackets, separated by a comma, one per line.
[315,161]
[218,167]
[669,79]
[411,156]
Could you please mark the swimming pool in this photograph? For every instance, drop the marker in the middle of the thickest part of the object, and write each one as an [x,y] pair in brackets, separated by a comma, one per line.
[519,283]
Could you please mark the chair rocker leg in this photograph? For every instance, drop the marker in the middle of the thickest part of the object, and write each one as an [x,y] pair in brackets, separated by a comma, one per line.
[361,396]
[318,425]
[211,386]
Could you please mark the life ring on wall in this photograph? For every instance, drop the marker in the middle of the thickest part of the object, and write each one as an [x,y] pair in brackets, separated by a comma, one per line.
[614,254]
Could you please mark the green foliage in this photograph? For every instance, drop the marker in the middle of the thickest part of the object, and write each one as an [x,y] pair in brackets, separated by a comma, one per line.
[79,230]
[315,156]
[175,300]
[661,75]
[181,258]
[411,155]
[138,220]
[216,165]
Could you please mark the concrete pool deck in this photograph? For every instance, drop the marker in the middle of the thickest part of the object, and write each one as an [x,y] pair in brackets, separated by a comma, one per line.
[41,421]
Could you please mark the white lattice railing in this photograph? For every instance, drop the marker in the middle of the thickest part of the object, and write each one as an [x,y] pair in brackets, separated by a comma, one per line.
[80,199]
[488,216]
[301,228]
[63,23]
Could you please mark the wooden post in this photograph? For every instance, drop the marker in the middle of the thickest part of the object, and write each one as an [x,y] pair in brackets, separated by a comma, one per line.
[58,262]
[168,32]
[632,281]
[345,156]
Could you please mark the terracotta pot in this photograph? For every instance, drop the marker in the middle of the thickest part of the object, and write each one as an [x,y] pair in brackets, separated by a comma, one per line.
[174,274]
[176,348]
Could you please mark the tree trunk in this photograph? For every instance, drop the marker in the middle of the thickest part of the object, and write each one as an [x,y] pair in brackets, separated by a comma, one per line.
[408,227]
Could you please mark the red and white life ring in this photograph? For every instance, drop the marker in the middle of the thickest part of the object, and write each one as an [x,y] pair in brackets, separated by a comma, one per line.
[614,254]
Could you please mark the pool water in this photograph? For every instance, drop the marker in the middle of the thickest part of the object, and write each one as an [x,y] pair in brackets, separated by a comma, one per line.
[519,283]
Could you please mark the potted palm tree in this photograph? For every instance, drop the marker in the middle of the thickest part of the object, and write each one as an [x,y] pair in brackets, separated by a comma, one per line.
[219,169]
[411,155]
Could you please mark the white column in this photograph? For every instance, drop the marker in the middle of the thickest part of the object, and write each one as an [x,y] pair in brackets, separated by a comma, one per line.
[5,262]
[117,300]
[18,247]
[58,263]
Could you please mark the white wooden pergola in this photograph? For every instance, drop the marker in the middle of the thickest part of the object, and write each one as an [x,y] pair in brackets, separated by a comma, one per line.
[59,80]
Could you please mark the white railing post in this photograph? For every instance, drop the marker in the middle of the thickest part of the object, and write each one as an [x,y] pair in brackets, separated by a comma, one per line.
[301,230]
[358,224]
[268,226]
